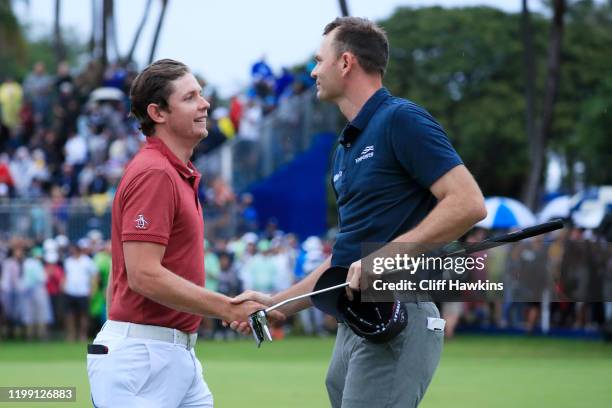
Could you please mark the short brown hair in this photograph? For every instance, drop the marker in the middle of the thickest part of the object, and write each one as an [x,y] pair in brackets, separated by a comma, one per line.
[363,38]
[153,85]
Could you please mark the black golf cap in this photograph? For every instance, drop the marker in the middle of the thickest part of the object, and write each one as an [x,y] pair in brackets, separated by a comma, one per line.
[377,322]
[328,302]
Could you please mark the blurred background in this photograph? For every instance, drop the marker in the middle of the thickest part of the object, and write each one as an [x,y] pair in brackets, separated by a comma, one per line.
[523,89]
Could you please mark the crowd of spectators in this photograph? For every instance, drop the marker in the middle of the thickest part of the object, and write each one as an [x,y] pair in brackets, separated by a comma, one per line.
[56,288]
[541,277]
[65,137]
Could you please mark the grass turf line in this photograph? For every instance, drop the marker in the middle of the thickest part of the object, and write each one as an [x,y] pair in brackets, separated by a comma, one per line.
[475,371]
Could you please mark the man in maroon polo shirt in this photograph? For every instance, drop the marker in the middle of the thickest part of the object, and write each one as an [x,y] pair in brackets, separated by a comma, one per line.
[143,356]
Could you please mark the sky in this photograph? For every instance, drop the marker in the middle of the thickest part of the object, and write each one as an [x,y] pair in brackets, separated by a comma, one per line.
[221,39]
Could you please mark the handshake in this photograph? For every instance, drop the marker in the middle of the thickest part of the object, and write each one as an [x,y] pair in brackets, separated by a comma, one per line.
[244,305]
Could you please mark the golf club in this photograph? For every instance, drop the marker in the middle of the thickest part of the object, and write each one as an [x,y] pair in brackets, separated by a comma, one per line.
[259,322]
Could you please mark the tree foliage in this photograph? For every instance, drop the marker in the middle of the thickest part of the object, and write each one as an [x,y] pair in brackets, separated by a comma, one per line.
[19,51]
[465,65]
[12,42]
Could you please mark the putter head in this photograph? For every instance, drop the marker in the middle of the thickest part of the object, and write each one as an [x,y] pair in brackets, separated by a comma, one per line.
[259,326]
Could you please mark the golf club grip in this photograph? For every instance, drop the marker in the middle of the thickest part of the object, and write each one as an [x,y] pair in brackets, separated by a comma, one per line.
[529,232]
[503,239]
[509,238]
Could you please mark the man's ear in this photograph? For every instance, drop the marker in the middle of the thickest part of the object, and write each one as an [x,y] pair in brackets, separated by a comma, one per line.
[347,62]
[157,114]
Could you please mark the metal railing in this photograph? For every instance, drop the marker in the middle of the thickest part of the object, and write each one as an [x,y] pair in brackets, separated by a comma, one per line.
[284,133]
[45,218]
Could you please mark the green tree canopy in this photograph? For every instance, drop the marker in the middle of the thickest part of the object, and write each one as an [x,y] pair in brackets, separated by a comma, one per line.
[465,65]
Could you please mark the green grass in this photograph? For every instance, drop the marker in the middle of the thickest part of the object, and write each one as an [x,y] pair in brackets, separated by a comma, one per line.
[474,372]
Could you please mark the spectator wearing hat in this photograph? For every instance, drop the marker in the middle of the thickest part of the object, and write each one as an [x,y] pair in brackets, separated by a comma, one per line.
[6,176]
[81,273]
[243,249]
[76,150]
[37,90]
[9,289]
[55,280]
[211,266]
[11,99]
[63,244]
[248,214]
[228,284]
[36,307]
[284,260]
[311,256]
[259,272]
[22,166]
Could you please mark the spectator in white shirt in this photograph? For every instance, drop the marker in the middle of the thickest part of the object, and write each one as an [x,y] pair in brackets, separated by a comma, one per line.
[76,150]
[81,274]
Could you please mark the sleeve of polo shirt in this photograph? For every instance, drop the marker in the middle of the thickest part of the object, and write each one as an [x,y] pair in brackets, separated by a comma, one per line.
[421,146]
[149,204]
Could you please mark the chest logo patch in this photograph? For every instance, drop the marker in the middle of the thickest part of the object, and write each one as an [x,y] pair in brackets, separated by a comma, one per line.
[141,222]
[366,153]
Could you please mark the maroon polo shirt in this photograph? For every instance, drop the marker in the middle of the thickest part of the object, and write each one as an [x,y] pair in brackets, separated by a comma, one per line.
[157,201]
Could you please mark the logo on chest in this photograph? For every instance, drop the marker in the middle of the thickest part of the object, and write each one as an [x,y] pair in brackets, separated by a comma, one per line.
[365,154]
[337,176]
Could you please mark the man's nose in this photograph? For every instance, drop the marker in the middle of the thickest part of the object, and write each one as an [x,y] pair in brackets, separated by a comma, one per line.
[204,104]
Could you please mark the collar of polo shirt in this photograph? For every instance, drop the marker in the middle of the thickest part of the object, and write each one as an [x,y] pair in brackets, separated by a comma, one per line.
[185,170]
[354,127]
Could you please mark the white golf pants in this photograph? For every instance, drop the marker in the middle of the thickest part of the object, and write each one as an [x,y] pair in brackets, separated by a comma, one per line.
[145,373]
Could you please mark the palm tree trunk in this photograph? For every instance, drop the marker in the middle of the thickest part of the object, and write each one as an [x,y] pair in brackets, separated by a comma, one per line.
[103,43]
[145,17]
[529,71]
[344,8]
[12,41]
[158,30]
[113,30]
[58,43]
[538,147]
[93,39]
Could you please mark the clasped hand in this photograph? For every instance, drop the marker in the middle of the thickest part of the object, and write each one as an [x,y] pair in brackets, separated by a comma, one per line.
[247,303]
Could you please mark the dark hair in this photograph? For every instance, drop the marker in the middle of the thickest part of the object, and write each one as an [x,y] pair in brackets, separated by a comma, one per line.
[363,38]
[153,85]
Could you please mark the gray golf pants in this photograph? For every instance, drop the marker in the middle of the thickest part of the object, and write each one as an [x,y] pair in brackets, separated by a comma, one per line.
[393,374]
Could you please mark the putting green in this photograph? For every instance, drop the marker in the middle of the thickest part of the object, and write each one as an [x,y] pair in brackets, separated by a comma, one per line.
[474,372]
